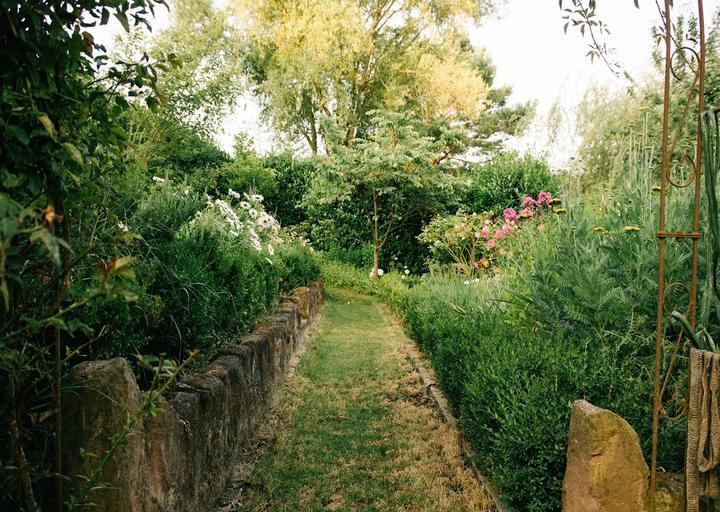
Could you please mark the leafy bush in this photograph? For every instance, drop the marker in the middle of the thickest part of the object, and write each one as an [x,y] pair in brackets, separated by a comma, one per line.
[569,315]
[392,288]
[292,178]
[504,181]
[512,384]
[298,265]
[206,268]
[342,275]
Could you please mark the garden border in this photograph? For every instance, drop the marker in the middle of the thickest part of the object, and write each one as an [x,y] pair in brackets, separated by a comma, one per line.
[186,453]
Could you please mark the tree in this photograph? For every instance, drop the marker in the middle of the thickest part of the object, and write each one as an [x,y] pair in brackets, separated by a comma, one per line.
[389,175]
[322,66]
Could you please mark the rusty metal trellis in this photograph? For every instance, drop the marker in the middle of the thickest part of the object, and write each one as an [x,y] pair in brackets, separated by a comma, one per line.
[674,49]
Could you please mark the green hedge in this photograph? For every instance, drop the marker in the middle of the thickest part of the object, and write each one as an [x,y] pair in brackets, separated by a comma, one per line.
[505,180]
[197,283]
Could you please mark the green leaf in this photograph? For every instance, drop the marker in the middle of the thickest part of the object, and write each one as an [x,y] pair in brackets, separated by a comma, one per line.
[18,133]
[74,152]
[47,124]
[122,18]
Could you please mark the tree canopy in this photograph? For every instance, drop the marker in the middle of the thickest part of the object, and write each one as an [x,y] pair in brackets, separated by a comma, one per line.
[322,66]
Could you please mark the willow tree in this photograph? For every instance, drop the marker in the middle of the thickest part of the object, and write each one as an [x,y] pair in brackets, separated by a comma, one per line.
[323,65]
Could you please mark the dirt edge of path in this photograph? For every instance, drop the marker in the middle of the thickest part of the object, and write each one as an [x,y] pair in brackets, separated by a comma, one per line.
[426,374]
[231,499]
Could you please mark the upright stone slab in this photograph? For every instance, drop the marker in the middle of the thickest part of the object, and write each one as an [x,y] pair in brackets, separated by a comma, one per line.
[606,471]
[97,405]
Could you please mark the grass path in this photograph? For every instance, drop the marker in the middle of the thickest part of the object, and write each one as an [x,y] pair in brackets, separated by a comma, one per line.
[355,431]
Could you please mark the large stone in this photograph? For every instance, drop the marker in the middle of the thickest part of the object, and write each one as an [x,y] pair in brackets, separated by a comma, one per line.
[97,404]
[606,471]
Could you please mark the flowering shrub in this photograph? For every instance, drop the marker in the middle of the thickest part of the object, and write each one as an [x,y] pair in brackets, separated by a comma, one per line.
[475,241]
[207,267]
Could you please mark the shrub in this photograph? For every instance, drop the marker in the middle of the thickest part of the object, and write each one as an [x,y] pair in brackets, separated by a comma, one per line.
[512,384]
[568,315]
[342,275]
[298,265]
[206,268]
[392,288]
[292,178]
[504,181]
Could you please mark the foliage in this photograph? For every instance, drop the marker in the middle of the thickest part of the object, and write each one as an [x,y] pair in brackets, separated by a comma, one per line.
[322,67]
[299,266]
[505,180]
[389,176]
[475,242]
[60,136]
[292,178]
[460,237]
[205,78]
[246,173]
[572,318]
[342,275]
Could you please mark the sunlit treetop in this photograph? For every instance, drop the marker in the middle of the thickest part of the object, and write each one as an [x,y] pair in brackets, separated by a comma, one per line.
[319,61]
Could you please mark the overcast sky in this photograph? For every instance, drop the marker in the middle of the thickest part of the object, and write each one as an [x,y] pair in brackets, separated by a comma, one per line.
[532,54]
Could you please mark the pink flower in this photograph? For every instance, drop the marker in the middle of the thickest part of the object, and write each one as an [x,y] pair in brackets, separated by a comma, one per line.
[544,198]
[528,201]
[501,233]
[527,212]
[510,215]
[485,232]
[490,244]
[541,227]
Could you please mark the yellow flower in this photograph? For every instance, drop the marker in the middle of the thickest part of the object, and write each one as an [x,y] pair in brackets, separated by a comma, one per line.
[628,229]
[599,229]
[560,210]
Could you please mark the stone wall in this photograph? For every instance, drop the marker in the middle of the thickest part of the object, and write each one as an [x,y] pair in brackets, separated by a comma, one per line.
[182,458]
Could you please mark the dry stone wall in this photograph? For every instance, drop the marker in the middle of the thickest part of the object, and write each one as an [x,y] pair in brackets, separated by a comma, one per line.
[182,458]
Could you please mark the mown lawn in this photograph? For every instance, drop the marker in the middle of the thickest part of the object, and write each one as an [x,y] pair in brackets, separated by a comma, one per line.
[356,431]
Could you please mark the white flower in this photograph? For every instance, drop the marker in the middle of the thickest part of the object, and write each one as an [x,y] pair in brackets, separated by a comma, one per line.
[158,179]
[253,213]
[269,260]
[380,273]
[187,191]
[466,283]
[407,272]
[123,227]
[234,194]
[271,250]
[257,198]
[245,205]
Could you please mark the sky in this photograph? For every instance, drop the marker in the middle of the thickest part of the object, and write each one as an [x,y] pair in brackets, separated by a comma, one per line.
[543,64]
[532,54]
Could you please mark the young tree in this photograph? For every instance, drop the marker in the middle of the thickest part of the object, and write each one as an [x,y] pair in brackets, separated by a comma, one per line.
[389,175]
[322,66]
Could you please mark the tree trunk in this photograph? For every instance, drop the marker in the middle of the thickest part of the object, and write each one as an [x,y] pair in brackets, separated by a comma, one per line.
[376,260]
